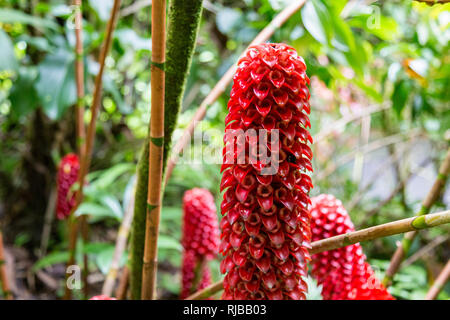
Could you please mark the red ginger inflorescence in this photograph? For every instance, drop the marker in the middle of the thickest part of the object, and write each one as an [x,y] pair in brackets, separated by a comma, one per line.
[67,176]
[343,273]
[200,238]
[266,225]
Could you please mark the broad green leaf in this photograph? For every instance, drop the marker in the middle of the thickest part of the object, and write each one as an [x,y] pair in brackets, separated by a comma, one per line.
[51,259]
[96,210]
[114,205]
[16,16]
[22,104]
[8,61]
[56,83]
[104,178]
[104,259]
[166,242]
[316,20]
[400,95]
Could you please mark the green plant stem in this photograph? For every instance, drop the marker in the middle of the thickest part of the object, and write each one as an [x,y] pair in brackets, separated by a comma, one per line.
[404,246]
[183,23]
[343,240]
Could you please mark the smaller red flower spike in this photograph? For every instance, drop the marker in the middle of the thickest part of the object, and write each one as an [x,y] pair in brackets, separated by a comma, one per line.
[343,273]
[200,224]
[102,297]
[200,238]
[67,176]
[188,274]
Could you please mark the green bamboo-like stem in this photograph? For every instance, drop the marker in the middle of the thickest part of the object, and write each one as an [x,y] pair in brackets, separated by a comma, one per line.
[343,240]
[440,282]
[403,247]
[86,159]
[183,24]
[150,261]
[221,86]
[4,281]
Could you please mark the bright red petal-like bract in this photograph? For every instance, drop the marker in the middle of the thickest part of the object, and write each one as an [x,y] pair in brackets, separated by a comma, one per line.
[343,273]
[67,176]
[265,228]
[200,237]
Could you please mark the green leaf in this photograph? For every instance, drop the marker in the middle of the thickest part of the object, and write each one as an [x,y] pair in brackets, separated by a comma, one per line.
[316,20]
[104,259]
[8,61]
[114,205]
[16,16]
[96,210]
[56,83]
[166,242]
[104,178]
[51,259]
[400,95]
[22,104]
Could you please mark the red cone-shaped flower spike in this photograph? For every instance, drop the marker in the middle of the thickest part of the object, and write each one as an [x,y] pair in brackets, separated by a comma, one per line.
[200,238]
[200,224]
[265,228]
[189,265]
[343,273]
[67,176]
[102,297]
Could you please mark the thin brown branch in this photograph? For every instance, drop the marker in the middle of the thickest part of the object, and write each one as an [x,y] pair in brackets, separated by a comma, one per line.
[343,240]
[3,274]
[121,244]
[81,134]
[403,247]
[440,282]
[156,146]
[122,288]
[86,159]
[221,86]
[425,250]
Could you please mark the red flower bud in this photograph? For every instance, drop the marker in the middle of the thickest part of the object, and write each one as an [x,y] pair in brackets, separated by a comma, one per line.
[265,235]
[343,273]
[200,238]
[67,176]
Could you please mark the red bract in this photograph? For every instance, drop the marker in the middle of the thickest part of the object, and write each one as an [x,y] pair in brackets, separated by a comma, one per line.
[189,265]
[265,229]
[200,225]
[102,297]
[67,176]
[200,238]
[343,273]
